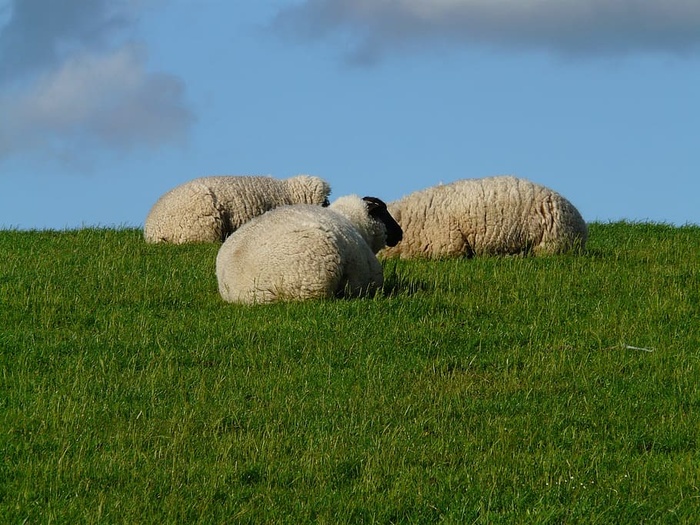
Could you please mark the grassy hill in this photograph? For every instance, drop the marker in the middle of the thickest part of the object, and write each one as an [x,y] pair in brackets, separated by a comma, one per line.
[498,390]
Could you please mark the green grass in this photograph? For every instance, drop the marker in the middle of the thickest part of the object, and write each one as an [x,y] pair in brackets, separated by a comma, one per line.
[494,390]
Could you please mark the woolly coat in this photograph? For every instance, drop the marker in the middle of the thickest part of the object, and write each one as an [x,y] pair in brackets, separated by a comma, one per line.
[491,216]
[209,209]
[305,252]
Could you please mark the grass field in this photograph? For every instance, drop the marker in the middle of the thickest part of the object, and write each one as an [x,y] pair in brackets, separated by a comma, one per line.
[498,390]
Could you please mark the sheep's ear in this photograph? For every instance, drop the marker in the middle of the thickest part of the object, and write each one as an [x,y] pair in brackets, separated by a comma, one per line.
[374,205]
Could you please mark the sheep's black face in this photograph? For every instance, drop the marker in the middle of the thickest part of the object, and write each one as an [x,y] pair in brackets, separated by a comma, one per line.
[377,210]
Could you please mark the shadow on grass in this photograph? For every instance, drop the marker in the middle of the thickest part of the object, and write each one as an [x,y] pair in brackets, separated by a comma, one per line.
[399,284]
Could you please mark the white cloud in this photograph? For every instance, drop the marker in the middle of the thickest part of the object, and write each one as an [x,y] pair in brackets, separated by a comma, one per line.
[575,27]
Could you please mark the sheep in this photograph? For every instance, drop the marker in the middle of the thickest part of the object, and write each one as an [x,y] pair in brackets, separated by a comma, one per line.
[209,209]
[303,252]
[500,215]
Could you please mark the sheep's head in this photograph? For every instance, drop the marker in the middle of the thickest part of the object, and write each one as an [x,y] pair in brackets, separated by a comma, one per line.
[378,211]
[371,218]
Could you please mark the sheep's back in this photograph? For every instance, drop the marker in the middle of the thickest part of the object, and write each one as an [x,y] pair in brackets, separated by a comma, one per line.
[240,198]
[208,209]
[291,252]
[186,213]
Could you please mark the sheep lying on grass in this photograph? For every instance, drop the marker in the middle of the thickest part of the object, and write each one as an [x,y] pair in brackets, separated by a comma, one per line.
[209,209]
[307,252]
[490,216]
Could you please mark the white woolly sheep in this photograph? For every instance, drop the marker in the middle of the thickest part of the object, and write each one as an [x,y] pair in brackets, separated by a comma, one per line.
[209,209]
[307,252]
[500,215]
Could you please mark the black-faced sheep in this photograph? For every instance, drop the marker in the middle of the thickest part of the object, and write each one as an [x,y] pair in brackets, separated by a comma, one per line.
[307,252]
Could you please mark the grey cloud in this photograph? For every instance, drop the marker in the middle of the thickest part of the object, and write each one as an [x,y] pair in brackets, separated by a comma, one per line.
[107,100]
[71,81]
[372,28]
[40,33]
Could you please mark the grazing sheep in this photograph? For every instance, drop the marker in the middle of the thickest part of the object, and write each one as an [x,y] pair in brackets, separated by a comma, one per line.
[209,209]
[307,252]
[490,216]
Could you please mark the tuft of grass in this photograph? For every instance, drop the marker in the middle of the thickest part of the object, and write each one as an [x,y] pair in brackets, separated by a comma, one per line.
[492,390]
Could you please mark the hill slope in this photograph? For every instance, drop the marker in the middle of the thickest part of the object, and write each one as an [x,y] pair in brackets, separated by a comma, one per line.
[511,390]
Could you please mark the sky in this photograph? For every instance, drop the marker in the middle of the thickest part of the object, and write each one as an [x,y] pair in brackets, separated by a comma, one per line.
[107,104]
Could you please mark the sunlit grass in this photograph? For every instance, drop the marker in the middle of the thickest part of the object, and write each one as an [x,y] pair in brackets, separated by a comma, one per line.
[494,390]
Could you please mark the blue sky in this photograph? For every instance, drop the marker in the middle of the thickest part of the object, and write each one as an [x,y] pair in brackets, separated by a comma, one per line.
[107,104]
